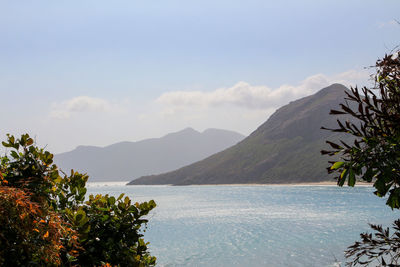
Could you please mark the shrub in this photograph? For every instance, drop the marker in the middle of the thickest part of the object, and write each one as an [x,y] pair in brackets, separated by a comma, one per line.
[374,156]
[44,219]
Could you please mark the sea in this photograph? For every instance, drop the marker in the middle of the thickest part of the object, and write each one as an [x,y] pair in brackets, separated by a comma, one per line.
[240,225]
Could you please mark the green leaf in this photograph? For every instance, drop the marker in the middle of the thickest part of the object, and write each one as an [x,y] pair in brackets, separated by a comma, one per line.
[337,165]
[14,154]
[6,144]
[121,206]
[352,178]
[342,177]
[23,139]
[393,200]
[111,200]
[369,174]
[133,209]
[381,188]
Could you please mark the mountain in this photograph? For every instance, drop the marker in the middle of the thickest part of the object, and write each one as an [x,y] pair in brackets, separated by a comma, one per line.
[285,149]
[126,160]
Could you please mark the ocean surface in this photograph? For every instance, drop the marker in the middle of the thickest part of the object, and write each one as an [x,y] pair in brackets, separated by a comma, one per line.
[254,225]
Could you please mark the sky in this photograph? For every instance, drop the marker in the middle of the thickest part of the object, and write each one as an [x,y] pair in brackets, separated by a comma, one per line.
[98,72]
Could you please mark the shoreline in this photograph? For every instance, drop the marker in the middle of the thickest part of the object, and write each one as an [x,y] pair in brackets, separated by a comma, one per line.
[285,184]
[325,183]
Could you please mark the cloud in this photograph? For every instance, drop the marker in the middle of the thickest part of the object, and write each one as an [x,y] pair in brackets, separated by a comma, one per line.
[247,96]
[242,107]
[79,104]
[389,23]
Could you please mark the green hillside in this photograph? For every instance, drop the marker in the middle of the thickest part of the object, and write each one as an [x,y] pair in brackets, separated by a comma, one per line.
[285,149]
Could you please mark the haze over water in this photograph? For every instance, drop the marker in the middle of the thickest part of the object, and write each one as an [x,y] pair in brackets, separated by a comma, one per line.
[254,225]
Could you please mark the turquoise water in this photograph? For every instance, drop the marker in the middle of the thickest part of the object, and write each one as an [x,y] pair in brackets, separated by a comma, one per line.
[255,225]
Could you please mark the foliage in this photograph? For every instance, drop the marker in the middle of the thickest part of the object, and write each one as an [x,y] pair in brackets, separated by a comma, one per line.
[109,229]
[31,234]
[375,154]
[44,217]
[29,168]
[381,247]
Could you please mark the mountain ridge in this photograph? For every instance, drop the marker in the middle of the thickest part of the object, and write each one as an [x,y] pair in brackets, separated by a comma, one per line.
[284,149]
[123,161]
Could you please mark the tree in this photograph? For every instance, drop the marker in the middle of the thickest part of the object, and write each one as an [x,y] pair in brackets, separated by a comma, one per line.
[374,156]
[45,220]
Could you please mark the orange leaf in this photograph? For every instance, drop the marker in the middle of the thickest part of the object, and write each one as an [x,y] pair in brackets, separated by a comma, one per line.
[46,234]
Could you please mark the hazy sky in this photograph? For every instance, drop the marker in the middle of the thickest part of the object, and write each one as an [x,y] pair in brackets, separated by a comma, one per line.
[99,72]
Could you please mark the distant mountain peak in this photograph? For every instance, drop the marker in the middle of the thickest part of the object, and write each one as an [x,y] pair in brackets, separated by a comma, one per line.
[189,130]
[126,160]
[335,88]
[184,132]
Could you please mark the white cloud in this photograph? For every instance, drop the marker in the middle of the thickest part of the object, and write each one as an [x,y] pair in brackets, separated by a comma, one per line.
[247,96]
[79,104]
[389,23]
[242,107]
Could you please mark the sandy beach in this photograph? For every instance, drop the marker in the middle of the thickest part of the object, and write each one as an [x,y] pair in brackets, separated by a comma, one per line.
[325,183]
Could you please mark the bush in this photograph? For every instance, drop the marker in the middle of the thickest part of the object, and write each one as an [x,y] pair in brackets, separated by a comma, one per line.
[109,230]
[45,220]
[374,156]
[30,234]
[378,247]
